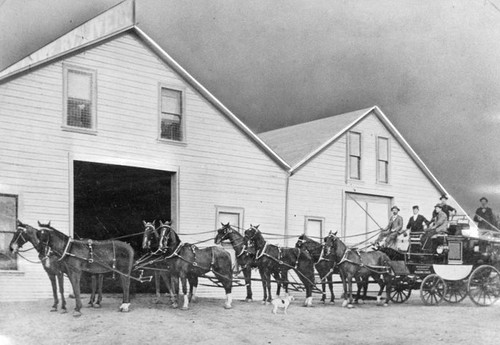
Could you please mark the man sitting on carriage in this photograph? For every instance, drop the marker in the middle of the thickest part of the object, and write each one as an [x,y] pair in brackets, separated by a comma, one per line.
[392,230]
[437,228]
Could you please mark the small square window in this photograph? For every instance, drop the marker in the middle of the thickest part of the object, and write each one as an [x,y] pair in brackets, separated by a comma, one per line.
[171,114]
[80,96]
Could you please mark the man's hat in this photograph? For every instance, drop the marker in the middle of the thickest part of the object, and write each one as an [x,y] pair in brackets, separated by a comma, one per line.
[395,207]
[443,197]
[416,207]
[483,198]
[439,205]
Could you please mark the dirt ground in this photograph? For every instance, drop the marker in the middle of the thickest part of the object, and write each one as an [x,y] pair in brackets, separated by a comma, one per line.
[207,322]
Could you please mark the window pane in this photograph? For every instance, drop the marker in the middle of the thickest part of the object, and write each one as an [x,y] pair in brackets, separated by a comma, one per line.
[231,218]
[383,171]
[80,85]
[171,101]
[354,167]
[354,144]
[171,127]
[383,149]
[79,113]
[8,215]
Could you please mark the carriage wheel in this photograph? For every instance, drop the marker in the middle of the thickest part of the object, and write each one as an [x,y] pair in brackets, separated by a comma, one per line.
[484,285]
[456,291]
[400,291]
[432,290]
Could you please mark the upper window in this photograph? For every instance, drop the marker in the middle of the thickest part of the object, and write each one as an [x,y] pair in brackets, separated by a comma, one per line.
[171,109]
[383,160]
[79,98]
[8,217]
[355,155]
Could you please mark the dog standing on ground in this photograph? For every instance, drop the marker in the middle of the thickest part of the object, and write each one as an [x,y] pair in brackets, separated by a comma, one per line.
[282,303]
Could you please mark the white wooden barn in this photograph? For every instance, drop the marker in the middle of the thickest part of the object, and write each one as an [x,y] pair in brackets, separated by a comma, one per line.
[103,113]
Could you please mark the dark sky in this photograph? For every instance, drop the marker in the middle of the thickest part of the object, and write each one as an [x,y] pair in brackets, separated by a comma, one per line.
[432,66]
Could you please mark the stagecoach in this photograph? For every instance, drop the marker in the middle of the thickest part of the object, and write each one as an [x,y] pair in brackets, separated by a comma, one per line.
[463,263]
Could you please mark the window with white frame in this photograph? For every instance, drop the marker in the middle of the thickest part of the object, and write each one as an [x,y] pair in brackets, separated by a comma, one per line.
[354,155]
[171,114]
[313,227]
[8,218]
[79,98]
[383,160]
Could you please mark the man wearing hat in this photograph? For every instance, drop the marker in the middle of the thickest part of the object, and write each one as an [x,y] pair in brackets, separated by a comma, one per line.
[417,221]
[447,209]
[439,226]
[484,216]
[392,230]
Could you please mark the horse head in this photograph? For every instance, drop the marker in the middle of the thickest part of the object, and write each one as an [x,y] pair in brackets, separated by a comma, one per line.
[332,242]
[223,233]
[149,232]
[253,237]
[168,237]
[20,236]
[302,241]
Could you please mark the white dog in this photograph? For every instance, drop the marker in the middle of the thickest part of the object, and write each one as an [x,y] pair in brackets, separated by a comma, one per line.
[282,303]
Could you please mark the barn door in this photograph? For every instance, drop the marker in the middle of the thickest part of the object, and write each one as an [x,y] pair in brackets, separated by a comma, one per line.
[364,213]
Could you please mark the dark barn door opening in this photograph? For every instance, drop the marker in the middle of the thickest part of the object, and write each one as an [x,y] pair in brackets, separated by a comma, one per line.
[112,201]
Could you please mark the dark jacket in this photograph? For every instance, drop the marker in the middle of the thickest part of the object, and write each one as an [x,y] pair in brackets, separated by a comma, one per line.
[418,224]
[487,217]
[446,209]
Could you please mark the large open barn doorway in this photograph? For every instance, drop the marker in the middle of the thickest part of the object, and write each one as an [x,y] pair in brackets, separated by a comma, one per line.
[112,201]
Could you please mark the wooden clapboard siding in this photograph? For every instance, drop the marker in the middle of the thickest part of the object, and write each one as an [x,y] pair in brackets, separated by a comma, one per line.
[318,188]
[218,164]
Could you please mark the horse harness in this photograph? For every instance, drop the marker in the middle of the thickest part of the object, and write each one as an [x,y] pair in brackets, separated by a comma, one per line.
[372,268]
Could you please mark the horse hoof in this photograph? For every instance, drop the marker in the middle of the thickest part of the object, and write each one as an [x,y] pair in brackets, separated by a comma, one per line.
[185,308]
[332,302]
[227,306]
[344,304]
[54,309]
[124,307]
[350,306]
[248,300]
[64,311]
[97,305]
[77,314]
[175,306]
[193,299]
[386,304]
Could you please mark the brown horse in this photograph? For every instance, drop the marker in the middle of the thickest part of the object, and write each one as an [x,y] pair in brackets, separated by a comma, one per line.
[96,257]
[245,260]
[324,264]
[26,233]
[190,262]
[155,260]
[360,265]
[277,261]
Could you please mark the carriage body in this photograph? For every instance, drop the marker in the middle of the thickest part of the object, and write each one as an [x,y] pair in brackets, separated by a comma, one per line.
[465,262]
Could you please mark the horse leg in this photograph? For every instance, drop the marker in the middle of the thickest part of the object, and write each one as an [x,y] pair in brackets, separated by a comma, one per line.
[74,278]
[157,287]
[344,286]
[264,284]
[93,286]
[185,305]
[174,291]
[247,273]
[193,286]
[52,278]
[125,280]
[60,280]
[349,282]
[359,283]
[227,281]
[277,277]
[100,282]
[330,286]
[388,284]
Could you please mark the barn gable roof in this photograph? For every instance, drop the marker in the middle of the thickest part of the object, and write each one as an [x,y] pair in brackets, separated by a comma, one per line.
[111,23]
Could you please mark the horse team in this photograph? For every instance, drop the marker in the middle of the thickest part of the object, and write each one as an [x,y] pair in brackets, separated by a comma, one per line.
[175,261]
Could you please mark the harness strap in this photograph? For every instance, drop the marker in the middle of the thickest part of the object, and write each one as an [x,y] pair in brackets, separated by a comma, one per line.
[66,249]
[263,251]
[91,252]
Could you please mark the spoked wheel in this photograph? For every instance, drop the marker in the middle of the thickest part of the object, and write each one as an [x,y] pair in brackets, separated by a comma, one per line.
[456,291]
[400,291]
[484,285]
[432,290]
